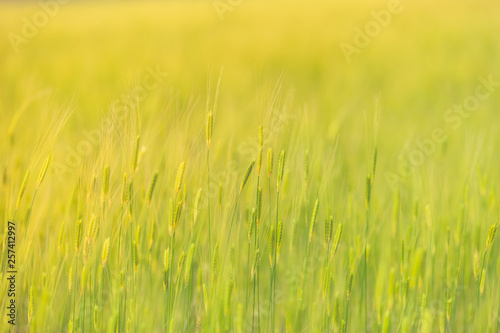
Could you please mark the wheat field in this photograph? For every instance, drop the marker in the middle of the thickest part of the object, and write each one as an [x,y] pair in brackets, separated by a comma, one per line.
[250,166]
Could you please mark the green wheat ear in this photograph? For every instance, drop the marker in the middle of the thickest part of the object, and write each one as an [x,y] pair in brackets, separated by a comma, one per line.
[269,162]
[349,286]
[152,187]
[130,199]
[135,157]
[180,263]
[23,188]
[105,252]
[281,166]
[92,230]
[259,206]
[338,235]
[41,176]
[209,127]
[167,260]
[279,237]
[251,224]
[78,235]
[197,205]
[124,196]
[328,229]
[259,161]
[491,235]
[180,175]
[60,238]
[105,183]
[172,217]
[177,217]
[368,190]
[247,175]
[135,256]
[70,279]
[313,219]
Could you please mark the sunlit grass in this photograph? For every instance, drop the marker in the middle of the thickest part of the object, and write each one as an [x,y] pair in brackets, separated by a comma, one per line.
[249,186]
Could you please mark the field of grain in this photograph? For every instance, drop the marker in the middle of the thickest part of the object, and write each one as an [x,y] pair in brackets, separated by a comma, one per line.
[250,166]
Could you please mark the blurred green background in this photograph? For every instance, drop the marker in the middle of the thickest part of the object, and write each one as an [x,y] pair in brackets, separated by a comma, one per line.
[275,56]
